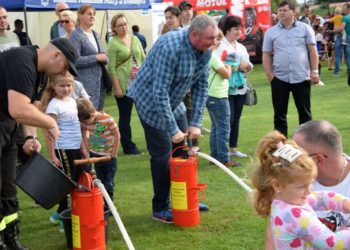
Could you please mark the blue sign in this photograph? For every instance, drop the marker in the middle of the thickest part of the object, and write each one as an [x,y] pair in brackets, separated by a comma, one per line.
[75,4]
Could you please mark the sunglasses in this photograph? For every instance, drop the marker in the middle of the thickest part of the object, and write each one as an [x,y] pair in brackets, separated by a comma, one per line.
[64,21]
[62,10]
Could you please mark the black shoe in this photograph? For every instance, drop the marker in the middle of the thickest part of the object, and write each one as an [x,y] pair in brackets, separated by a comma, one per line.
[11,234]
[136,152]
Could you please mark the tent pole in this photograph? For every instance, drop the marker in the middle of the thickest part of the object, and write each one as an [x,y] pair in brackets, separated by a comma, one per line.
[26,23]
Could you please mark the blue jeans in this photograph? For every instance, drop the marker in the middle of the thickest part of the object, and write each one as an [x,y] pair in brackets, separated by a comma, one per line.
[159,147]
[337,52]
[236,107]
[105,171]
[347,55]
[219,111]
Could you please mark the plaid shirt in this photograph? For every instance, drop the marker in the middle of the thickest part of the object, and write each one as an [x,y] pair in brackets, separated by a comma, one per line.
[171,68]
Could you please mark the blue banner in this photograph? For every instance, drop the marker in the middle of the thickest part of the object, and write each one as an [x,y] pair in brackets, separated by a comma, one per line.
[75,4]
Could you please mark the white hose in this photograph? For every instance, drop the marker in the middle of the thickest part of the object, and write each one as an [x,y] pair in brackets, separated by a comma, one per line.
[226,170]
[116,216]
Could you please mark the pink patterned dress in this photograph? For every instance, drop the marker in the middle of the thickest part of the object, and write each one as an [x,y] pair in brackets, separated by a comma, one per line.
[297,227]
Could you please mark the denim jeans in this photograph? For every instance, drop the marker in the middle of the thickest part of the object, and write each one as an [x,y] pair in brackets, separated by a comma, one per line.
[219,111]
[347,55]
[338,47]
[236,107]
[105,171]
[181,122]
[159,147]
[125,105]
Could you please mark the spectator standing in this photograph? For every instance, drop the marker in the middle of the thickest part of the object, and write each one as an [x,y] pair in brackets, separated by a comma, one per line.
[68,22]
[306,18]
[125,55]
[7,39]
[289,51]
[56,29]
[346,27]
[142,38]
[91,55]
[172,18]
[186,13]
[21,71]
[177,62]
[219,108]
[22,36]
[238,57]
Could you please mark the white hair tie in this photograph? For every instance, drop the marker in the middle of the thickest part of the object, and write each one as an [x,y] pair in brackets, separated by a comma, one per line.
[287,152]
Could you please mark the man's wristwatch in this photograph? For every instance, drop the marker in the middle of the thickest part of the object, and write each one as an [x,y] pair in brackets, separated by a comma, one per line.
[32,137]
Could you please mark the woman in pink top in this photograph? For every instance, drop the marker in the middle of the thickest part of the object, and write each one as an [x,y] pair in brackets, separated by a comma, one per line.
[283,192]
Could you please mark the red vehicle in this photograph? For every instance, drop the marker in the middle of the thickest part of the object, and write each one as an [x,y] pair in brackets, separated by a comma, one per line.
[255,16]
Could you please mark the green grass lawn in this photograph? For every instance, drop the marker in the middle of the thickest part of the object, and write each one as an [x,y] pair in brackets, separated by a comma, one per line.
[230,224]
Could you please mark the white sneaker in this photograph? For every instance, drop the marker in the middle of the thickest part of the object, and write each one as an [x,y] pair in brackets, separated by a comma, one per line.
[238,154]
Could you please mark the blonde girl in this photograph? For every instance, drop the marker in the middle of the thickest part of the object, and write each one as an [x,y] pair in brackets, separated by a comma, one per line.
[58,104]
[283,181]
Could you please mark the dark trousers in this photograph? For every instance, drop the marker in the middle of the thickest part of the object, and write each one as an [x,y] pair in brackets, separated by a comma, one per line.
[67,157]
[236,108]
[8,160]
[105,171]
[125,105]
[182,124]
[188,103]
[159,147]
[280,98]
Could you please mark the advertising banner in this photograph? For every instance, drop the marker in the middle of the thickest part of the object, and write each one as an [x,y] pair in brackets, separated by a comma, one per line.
[75,4]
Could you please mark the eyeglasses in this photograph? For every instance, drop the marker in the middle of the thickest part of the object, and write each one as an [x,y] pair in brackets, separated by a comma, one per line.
[63,10]
[325,156]
[64,21]
[121,25]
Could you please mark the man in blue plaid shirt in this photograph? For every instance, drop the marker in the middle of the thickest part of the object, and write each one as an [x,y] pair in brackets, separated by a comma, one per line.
[178,61]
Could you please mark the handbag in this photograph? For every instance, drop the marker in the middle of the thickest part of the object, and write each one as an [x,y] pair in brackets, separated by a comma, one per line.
[105,79]
[250,98]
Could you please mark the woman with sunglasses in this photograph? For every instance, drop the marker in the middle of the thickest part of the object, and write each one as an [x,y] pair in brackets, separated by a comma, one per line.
[125,54]
[68,21]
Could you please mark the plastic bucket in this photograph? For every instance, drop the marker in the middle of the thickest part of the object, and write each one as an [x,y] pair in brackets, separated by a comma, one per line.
[44,182]
[66,217]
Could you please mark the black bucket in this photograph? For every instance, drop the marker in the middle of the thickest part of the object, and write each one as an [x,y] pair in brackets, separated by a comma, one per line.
[44,182]
[66,217]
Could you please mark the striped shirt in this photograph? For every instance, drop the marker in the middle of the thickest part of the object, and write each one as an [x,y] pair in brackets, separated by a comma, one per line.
[101,137]
[171,68]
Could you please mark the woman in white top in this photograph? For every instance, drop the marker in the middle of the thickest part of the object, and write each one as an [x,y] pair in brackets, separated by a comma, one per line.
[236,55]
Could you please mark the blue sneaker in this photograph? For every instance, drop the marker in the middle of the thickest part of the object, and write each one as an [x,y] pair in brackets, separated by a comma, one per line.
[203,207]
[164,216]
[55,218]
[61,227]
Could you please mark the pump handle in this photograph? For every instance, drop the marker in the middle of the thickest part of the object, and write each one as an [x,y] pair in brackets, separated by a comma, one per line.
[93,160]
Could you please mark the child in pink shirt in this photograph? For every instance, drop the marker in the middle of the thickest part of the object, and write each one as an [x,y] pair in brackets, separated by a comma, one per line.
[283,182]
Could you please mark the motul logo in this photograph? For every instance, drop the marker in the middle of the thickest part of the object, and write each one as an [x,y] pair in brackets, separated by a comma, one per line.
[210,3]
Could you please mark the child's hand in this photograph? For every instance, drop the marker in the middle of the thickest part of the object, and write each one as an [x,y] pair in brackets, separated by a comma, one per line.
[57,162]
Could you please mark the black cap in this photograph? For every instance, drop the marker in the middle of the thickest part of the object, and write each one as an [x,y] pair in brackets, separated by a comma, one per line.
[69,51]
[183,4]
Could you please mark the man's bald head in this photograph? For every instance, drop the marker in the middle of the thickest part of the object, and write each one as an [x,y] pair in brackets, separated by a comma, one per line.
[61,6]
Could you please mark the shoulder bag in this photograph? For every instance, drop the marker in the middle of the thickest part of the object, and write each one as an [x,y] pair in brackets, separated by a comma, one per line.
[250,98]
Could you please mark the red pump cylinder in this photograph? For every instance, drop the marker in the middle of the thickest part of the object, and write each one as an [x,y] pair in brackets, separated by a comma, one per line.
[184,190]
[88,217]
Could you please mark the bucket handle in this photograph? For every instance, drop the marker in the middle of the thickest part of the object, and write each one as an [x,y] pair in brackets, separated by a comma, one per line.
[179,147]
[201,190]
